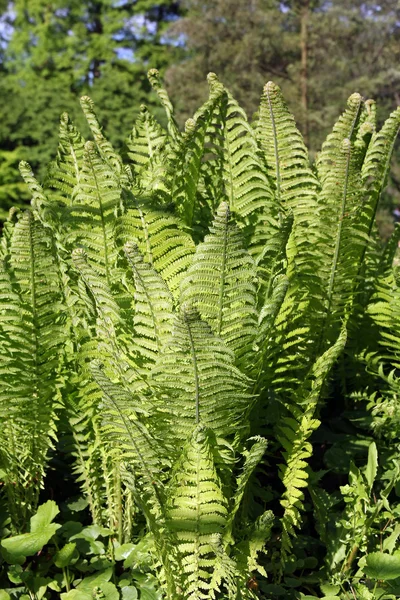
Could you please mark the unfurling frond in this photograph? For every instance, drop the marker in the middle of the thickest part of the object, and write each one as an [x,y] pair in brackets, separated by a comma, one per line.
[155,81]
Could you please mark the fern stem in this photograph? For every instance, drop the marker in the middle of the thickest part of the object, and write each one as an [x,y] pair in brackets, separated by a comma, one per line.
[195,369]
[275,138]
[103,226]
[339,231]
[223,269]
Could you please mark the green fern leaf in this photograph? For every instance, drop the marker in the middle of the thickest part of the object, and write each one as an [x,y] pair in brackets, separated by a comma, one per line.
[220,283]
[153,306]
[294,433]
[155,81]
[197,511]
[195,381]
[144,148]
[64,173]
[160,239]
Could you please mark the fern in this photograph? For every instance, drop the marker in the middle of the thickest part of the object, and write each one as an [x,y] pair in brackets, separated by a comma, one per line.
[197,382]
[31,345]
[145,150]
[294,435]
[220,283]
[197,511]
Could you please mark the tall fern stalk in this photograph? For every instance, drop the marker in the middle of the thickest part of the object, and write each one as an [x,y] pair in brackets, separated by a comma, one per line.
[177,304]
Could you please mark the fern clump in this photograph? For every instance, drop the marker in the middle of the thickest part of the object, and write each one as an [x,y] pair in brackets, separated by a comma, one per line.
[188,312]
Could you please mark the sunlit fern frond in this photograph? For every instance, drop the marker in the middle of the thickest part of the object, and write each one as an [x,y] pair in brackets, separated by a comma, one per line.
[153,307]
[160,238]
[344,211]
[104,147]
[185,168]
[196,512]
[31,348]
[155,81]
[385,312]
[143,459]
[144,149]
[376,164]
[220,283]
[294,432]
[92,216]
[63,173]
[195,380]
[286,155]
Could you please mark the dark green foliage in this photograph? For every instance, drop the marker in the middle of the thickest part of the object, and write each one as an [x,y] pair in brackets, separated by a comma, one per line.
[189,318]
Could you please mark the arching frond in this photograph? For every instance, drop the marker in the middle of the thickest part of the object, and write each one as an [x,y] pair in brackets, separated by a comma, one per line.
[31,341]
[155,81]
[153,307]
[160,238]
[185,167]
[196,381]
[294,433]
[220,283]
[105,149]
[197,511]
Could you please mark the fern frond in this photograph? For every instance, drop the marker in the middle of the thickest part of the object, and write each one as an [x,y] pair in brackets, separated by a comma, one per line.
[195,380]
[160,238]
[220,284]
[31,346]
[155,81]
[153,306]
[64,173]
[252,458]
[144,148]
[197,511]
[104,147]
[186,165]
[93,213]
[294,433]
[285,154]
[376,164]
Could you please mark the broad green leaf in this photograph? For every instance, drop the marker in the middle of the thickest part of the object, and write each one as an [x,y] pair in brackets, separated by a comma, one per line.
[88,583]
[6,596]
[382,566]
[76,595]
[329,590]
[128,593]
[124,551]
[372,465]
[390,543]
[17,548]
[109,590]
[44,516]
[64,556]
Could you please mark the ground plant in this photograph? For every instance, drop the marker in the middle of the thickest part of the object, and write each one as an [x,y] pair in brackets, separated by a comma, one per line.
[200,354]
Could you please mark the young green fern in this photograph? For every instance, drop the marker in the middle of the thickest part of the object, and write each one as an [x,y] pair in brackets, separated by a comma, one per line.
[207,289]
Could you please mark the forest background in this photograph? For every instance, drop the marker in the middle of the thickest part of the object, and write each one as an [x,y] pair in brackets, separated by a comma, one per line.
[54,51]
